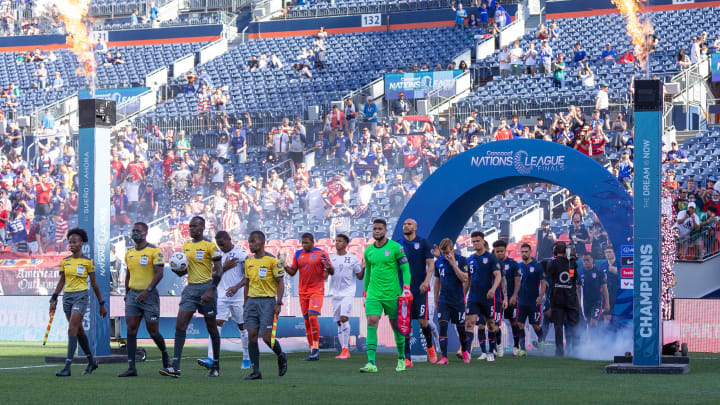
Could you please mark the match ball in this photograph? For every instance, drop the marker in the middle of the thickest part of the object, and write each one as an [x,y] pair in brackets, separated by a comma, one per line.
[178,263]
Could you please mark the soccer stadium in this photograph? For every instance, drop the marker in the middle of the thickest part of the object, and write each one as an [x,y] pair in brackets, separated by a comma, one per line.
[431,191]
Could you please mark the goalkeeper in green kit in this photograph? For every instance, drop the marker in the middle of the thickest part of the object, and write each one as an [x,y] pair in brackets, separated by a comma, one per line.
[383,259]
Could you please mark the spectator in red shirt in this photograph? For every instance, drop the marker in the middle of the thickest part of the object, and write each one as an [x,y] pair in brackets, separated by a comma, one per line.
[598,139]
[43,200]
[503,131]
[337,122]
[137,169]
[335,190]
[232,190]
[168,164]
[626,57]
[582,141]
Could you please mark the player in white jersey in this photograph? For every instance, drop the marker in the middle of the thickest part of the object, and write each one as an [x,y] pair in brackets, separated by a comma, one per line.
[230,293]
[342,289]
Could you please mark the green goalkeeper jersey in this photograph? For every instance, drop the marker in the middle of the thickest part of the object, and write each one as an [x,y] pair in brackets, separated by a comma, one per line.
[382,280]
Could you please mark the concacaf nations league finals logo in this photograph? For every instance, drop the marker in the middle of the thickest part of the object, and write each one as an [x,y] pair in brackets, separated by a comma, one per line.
[522,161]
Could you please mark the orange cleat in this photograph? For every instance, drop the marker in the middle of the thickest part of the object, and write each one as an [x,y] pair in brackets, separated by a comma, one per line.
[344,354]
[432,356]
[408,363]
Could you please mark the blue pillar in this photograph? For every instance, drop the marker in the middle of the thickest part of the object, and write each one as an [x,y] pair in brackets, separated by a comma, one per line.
[647,325]
[96,120]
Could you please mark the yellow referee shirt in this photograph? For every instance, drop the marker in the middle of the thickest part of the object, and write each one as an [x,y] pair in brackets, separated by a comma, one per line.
[141,266]
[76,272]
[261,275]
[201,256]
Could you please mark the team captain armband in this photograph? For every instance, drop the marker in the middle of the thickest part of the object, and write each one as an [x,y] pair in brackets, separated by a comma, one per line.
[402,260]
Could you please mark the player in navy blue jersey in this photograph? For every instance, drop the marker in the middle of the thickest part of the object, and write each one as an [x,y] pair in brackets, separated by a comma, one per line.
[510,287]
[610,267]
[422,265]
[485,277]
[595,293]
[531,296]
[451,284]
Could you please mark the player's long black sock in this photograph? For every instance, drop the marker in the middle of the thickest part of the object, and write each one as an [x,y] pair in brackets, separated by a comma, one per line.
[131,349]
[521,338]
[469,336]
[159,342]
[85,345]
[516,335]
[540,334]
[254,356]
[492,342]
[462,336]
[427,332]
[276,348]
[443,338]
[72,346]
[482,340]
[215,342]
[407,344]
[498,337]
[177,352]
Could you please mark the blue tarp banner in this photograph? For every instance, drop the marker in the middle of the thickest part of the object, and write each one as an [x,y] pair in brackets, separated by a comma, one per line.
[419,84]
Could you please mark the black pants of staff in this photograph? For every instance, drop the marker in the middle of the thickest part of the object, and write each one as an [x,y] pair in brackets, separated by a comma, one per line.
[564,317]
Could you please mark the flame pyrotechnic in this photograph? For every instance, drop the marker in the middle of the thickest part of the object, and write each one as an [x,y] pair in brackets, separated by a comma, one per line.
[639,29]
[78,28]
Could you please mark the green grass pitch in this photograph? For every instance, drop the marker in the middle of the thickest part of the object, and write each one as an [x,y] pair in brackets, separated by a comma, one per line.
[529,380]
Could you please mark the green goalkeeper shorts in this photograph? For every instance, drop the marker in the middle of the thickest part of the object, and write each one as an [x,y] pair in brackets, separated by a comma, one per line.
[374,306]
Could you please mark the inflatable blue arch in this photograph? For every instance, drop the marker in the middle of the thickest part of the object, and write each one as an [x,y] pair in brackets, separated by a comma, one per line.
[446,200]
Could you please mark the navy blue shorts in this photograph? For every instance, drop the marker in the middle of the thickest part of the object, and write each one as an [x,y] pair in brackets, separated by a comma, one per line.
[531,312]
[485,308]
[420,308]
[451,313]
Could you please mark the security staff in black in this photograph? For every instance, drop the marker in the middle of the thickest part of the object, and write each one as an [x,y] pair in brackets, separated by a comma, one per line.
[564,296]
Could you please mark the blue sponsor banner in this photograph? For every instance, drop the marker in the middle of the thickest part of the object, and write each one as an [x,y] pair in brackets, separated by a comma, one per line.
[646,267]
[117,95]
[715,66]
[419,84]
[94,218]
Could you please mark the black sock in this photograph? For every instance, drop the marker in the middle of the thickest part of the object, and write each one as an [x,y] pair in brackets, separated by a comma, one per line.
[177,352]
[427,332]
[254,356]
[492,341]
[516,335]
[276,348]
[462,336]
[469,337]
[72,346]
[159,342]
[443,330]
[85,345]
[498,336]
[131,349]
[407,344]
[215,342]
[540,334]
[522,339]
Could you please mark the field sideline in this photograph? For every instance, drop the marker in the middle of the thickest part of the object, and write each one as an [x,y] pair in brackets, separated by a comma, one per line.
[529,380]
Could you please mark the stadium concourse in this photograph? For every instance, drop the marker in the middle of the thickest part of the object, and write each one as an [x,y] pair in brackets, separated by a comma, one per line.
[233,142]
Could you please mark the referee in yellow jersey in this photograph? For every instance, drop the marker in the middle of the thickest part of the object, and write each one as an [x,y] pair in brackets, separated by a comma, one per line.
[74,273]
[263,300]
[204,272]
[145,266]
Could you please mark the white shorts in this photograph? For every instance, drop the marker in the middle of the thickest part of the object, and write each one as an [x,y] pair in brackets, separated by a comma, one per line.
[342,306]
[227,309]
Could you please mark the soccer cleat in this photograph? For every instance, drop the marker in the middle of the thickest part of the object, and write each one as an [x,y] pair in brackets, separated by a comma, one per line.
[459,354]
[482,356]
[165,360]
[169,372]
[344,354]
[253,376]
[499,352]
[408,363]
[314,355]
[245,364]
[206,362]
[90,368]
[516,351]
[432,356]
[214,372]
[522,353]
[371,368]
[443,361]
[401,365]
[490,357]
[131,372]
[466,357]
[282,364]
[63,373]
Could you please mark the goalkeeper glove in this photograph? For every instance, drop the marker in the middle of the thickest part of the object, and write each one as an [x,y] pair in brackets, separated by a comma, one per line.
[406,291]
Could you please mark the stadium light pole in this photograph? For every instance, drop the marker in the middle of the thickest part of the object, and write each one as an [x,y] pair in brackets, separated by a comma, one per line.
[96,118]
